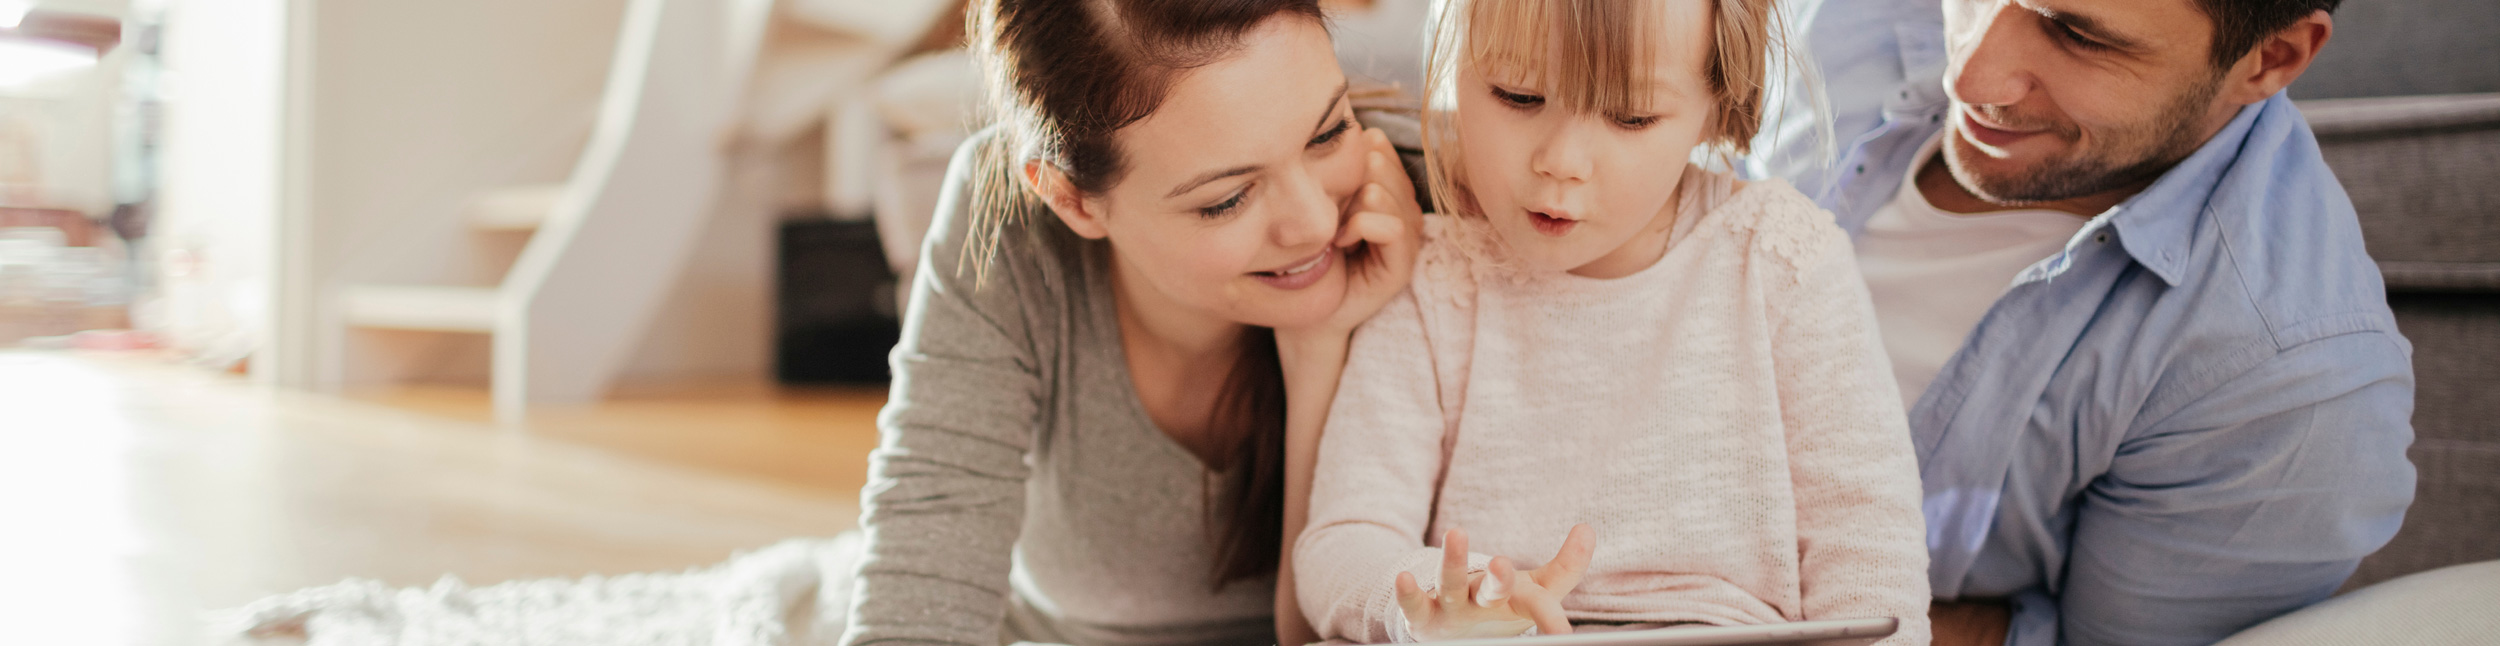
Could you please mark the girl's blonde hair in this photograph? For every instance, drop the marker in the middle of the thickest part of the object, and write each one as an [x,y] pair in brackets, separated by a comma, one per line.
[1592,55]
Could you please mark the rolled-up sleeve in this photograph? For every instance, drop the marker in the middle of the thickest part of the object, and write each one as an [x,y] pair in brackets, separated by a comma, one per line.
[2255,499]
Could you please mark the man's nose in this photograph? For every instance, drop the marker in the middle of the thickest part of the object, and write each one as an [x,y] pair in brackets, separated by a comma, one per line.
[1991,55]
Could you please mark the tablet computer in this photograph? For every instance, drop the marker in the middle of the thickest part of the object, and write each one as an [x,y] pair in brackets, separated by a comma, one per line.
[1835,632]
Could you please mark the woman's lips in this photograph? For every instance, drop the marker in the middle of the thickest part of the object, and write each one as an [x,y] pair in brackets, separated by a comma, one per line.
[1992,137]
[1301,274]
[1551,225]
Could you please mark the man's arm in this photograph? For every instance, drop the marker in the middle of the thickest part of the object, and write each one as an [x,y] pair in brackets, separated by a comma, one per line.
[1968,623]
[2253,500]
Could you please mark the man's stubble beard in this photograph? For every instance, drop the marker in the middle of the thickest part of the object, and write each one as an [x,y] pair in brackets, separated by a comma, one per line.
[2146,150]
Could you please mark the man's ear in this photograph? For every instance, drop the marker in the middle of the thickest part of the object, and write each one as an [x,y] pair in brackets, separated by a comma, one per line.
[2278,60]
[1064,200]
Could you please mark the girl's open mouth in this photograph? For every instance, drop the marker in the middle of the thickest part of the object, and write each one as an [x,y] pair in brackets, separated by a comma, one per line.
[1551,225]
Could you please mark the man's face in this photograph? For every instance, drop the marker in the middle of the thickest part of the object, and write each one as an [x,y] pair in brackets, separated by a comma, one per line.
[2063,99]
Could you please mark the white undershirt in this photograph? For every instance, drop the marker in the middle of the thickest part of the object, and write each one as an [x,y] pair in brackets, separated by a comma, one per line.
[1933,274]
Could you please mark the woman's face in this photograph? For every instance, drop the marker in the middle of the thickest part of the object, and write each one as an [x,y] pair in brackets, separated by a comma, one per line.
[1236,185]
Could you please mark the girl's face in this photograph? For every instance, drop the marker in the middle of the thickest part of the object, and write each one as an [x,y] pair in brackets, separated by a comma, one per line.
[1237,183]
[1584,190]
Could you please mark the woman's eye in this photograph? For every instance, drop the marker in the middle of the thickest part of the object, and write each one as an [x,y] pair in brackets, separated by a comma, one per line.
[1631,122]
[1226,207]
[1333,134]
[1518,100]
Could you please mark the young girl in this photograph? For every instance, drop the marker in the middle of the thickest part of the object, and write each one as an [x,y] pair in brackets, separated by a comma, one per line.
[1602,334]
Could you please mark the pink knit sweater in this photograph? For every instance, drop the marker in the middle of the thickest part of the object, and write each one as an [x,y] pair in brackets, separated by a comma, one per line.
[1725,420]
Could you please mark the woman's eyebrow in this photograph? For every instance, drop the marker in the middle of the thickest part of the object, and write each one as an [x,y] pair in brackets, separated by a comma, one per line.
[1209,176]
[1236,171]
[1331,109]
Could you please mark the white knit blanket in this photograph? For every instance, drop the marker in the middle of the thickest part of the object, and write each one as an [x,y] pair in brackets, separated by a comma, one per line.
[775,596]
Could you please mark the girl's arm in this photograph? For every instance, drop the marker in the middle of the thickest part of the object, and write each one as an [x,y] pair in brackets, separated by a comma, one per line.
[1861,536]
[1372,484]
[1388,223]
[945,498]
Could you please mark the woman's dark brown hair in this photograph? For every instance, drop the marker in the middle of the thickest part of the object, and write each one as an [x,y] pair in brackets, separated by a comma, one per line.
[1064,77]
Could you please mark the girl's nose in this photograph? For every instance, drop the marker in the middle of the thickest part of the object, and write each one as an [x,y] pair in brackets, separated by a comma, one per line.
[1563,156]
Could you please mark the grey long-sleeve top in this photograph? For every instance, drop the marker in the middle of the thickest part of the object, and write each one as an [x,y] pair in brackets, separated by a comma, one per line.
[1020,491]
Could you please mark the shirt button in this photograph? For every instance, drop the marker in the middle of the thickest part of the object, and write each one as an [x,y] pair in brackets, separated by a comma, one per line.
[2103,238]
[1861,169]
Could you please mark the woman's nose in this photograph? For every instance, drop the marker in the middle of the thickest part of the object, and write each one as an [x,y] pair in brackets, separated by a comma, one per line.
[1309,217]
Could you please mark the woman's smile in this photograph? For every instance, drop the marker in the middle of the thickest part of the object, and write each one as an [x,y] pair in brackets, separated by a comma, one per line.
[1301,274]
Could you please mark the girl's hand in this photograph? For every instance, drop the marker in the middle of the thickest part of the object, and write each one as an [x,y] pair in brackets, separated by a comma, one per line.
[1379,237]
[1505,602]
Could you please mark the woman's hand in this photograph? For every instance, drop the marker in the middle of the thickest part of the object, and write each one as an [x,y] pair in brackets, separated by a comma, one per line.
[1380,237]
[1505,602]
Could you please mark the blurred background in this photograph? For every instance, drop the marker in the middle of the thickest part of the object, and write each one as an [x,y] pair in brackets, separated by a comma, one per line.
[299,290]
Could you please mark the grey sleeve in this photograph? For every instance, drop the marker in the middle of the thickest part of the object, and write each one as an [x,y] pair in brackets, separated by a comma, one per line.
[946,486]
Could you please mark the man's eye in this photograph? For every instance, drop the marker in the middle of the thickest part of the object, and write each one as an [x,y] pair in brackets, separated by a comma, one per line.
[1632,122]
[1518,100]
[2076,38]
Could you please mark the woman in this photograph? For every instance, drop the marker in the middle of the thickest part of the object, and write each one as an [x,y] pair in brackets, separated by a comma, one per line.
[1086,429]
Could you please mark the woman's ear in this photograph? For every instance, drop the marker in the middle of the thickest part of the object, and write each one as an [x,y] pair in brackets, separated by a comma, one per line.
[1064,200]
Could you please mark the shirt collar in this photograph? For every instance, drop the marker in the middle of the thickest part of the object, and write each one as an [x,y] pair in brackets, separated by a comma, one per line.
[2158,226]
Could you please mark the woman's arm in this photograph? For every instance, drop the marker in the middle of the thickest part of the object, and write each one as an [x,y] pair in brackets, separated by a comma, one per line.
[1861,538]
[1387,221]
[945,496]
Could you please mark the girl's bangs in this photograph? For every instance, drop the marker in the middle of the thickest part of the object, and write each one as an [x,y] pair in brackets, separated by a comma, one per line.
[1582,55]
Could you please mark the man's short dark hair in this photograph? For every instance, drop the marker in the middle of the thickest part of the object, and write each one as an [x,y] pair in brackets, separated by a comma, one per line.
[2241,24]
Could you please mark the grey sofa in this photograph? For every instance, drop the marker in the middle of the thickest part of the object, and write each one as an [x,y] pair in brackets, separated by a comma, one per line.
[2406,103]
[2424,172]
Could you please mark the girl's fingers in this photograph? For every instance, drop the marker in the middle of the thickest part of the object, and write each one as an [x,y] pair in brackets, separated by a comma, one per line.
[1562,574]
[1498,583]
[1453,568]
[1549,617]
[1411,597]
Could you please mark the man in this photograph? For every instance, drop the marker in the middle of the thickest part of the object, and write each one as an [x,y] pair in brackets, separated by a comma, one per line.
[2155,388]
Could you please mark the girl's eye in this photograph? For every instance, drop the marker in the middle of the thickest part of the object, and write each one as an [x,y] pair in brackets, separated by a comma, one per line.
[1629,122]
[1226,207]
[1518,100]
[1333,134]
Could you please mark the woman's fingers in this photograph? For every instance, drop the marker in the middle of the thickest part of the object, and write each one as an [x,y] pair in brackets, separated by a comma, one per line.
[1383,167]
[1562,574]
[1453,568]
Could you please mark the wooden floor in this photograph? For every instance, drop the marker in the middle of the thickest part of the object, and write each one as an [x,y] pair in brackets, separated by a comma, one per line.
[134,495]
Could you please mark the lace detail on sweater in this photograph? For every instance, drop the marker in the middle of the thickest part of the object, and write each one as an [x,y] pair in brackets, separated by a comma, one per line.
[1782,223]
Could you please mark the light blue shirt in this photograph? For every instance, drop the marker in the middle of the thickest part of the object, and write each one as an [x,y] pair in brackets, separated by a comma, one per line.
[2191,419]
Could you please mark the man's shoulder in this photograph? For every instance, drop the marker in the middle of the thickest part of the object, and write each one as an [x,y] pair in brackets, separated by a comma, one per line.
[2280,231]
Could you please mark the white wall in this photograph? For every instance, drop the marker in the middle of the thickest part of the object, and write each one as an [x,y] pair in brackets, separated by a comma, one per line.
[419,106]
[215,230]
